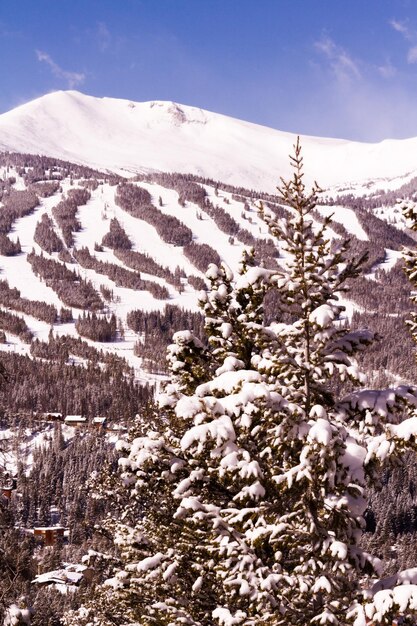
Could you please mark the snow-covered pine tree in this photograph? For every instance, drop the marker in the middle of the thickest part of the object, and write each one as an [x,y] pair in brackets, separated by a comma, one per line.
[247,499]
[409,210]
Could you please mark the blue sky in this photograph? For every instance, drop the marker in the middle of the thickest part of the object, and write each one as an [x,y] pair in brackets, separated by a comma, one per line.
[341,68]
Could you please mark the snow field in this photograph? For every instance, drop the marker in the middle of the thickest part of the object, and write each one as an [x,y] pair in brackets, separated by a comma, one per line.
[346,217]
[95,219]
[124,136]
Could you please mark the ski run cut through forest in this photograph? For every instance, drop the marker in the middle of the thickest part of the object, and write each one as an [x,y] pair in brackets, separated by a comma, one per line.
[208,382]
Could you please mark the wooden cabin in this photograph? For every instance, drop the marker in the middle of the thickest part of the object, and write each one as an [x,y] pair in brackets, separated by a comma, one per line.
[75,420]
[99,423]
[53,416]
[49,534]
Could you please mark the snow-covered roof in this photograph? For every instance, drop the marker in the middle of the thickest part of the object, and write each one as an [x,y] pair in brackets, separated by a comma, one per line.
[67,577]
[75,418]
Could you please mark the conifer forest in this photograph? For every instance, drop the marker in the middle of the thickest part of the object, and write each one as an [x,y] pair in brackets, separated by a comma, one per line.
[248,461]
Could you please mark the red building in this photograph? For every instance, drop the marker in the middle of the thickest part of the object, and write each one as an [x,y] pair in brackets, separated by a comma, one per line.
[49,534]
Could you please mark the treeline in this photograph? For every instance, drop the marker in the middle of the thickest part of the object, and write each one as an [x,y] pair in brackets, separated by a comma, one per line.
[241,192]
[381,236]
[90,183]
[118,240]
[65,213]
[45,189]
[46,237]
[119,275]
[384,306]
[190,191]
[97,328]
[201,255]
[371,294]
[393,355]
[157,328]
[137,201]
[11,298]
[227,224]
[16,204]
[67,284]
[36,385]
[142,262]
[15,325]
[64,348]
[197,283]
[36,168]
[378,198]
[9,247]
[6,184]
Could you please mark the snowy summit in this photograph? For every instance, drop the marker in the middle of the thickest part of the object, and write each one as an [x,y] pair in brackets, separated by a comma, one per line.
[124,136]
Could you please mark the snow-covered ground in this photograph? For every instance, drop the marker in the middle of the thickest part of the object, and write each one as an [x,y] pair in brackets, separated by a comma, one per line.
[95,219]
[124,136]
[128,137]
[345,216]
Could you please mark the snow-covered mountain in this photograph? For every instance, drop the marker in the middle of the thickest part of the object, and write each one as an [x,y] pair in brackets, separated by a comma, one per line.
[124,136]
[59,222]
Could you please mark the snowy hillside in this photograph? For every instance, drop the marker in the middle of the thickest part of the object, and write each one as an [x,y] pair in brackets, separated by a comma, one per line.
[124,136]
[76,243]
[103,250]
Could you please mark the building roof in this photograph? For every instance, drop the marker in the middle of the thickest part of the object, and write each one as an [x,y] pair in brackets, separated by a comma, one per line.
[66,576]
[75,418]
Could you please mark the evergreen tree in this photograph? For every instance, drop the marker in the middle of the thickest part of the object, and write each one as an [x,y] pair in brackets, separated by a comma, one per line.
[246,493]
[409,210]
[16,564]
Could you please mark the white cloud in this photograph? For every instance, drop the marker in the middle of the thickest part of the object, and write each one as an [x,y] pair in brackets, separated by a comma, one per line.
[72,78]
[409,35]
[359,101]
[343,66]
[401,27]
[412,55]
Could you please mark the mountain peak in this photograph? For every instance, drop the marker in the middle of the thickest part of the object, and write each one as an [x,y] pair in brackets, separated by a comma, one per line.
[126,136]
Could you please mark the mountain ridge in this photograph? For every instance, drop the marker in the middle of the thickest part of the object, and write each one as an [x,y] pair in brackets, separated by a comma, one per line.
[129,137]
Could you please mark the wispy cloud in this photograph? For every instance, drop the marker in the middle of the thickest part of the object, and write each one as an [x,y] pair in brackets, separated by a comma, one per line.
[410,35]
[357,99]
[412,54]
[401,27]
[387,69]
[342,64]
[72,78]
